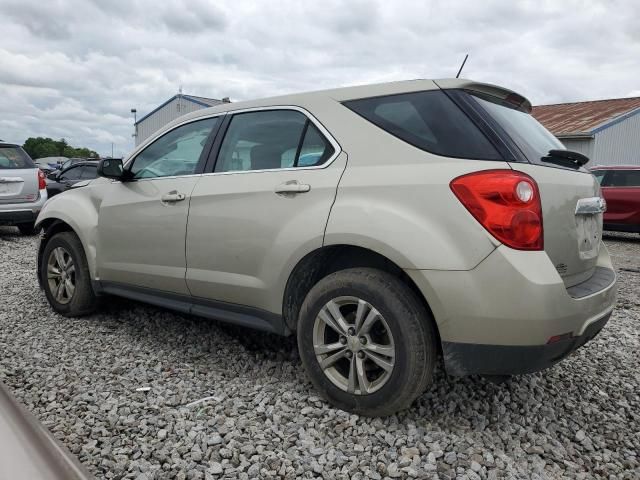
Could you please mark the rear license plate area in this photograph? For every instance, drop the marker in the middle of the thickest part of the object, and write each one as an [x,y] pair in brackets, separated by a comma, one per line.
[589,232]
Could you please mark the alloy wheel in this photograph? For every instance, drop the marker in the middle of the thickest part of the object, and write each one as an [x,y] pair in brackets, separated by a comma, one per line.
[354,345]
[61,275]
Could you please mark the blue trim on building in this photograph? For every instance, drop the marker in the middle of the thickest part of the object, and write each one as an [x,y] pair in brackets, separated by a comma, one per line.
[615,120]
[186,97]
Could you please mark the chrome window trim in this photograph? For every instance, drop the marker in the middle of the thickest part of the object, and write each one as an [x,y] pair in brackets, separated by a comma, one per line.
[334,143]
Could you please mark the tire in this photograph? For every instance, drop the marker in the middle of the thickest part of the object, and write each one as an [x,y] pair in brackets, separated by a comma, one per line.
[82,300]
[28,228]
[411,337]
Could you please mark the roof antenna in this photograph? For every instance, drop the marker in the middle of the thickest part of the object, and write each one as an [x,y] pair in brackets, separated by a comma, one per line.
[462,66]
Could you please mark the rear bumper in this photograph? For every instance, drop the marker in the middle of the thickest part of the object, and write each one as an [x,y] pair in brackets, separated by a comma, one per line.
[499,317]
[18,213]
[470,359]
[16,217]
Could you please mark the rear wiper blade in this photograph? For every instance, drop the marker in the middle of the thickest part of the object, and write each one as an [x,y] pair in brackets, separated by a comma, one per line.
[566,158]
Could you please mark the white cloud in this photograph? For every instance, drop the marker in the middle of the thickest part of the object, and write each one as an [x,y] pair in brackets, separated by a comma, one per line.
[75,68]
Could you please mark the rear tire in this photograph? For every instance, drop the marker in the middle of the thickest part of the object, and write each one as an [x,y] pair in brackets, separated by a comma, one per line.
[64,275]
[381,334]
[28,228]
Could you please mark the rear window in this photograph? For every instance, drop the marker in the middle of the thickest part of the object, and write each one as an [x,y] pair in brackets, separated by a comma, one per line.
[14,158]
[429,121]
[529,135]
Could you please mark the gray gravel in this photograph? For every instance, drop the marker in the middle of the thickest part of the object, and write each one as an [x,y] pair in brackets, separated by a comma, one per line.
[138,392]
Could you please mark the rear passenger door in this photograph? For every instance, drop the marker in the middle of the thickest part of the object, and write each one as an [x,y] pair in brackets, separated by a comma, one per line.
[261,206]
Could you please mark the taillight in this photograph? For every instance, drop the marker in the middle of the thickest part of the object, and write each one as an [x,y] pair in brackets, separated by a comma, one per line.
[506,203]
[42,184]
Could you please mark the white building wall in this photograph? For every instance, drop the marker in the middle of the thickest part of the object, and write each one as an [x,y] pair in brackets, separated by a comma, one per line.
[619,144]
[172,110]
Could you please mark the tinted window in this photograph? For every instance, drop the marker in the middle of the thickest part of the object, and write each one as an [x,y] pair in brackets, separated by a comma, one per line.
[14,158]
[89,172]
[74,173]
[530,136]
[623,178]
[175,153]
[261,141]
[429,121]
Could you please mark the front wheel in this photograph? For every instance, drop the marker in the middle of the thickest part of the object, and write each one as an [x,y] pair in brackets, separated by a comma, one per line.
[64,274]
[366,341]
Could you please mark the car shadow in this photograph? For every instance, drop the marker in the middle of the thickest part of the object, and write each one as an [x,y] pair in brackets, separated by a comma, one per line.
[621,237]
[195,340]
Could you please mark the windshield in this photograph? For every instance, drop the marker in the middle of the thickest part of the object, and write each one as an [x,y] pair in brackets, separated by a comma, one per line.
[533,139]
[14,158]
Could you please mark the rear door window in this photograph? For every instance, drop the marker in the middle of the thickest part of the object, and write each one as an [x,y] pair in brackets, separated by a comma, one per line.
[430,121]
[74,173]
[623,178]
[272,139]
[14,158]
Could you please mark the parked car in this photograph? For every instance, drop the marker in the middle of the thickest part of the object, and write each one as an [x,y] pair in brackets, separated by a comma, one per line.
[426,217]
[28,450]
[73,160]
[49,164]
[621,189]
[22,188]
[62,180]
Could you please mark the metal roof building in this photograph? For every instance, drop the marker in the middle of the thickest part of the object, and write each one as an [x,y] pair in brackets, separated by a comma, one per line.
[607,131]
[173,108]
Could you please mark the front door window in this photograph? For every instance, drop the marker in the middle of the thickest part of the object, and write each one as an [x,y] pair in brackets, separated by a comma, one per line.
[175,153]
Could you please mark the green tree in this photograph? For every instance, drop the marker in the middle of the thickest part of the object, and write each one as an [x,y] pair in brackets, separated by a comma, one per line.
[40,147]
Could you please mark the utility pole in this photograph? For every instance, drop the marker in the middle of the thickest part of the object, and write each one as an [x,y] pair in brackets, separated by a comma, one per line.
[111,149]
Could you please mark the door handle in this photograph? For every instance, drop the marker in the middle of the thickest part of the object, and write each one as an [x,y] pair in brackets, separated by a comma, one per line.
[172,197]
[292,187]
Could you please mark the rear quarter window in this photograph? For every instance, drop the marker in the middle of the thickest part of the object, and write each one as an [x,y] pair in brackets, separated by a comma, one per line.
[430,121]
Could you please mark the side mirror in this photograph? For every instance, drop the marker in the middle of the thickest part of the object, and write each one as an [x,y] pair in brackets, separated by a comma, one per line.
[53,175]
[111,168]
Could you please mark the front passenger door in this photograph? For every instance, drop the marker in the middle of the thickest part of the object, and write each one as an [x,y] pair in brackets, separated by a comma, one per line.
[142,221]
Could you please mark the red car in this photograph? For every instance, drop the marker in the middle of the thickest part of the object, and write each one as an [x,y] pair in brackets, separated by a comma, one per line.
[621,189]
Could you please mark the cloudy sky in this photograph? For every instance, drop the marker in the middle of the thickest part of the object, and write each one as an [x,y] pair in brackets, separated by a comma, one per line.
[74,68]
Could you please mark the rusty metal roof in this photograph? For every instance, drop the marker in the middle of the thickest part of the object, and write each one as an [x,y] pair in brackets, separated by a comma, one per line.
[585,118]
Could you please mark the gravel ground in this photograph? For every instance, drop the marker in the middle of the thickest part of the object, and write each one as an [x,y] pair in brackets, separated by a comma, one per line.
[121,388]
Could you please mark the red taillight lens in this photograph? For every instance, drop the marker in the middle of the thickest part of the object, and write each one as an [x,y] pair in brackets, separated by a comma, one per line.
[42,184]
[506,203]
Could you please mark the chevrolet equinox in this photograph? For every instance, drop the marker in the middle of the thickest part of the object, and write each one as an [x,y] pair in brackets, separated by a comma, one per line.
[384,225]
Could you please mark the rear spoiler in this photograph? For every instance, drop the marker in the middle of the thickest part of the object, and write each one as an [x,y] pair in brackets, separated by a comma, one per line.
[509,96]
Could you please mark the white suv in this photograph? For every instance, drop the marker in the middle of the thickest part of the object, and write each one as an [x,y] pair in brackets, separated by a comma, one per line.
[383,225]
[23,189]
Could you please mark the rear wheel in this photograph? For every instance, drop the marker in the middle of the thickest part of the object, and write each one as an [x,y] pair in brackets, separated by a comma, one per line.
[366,341]
[64,274]
[28,228]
